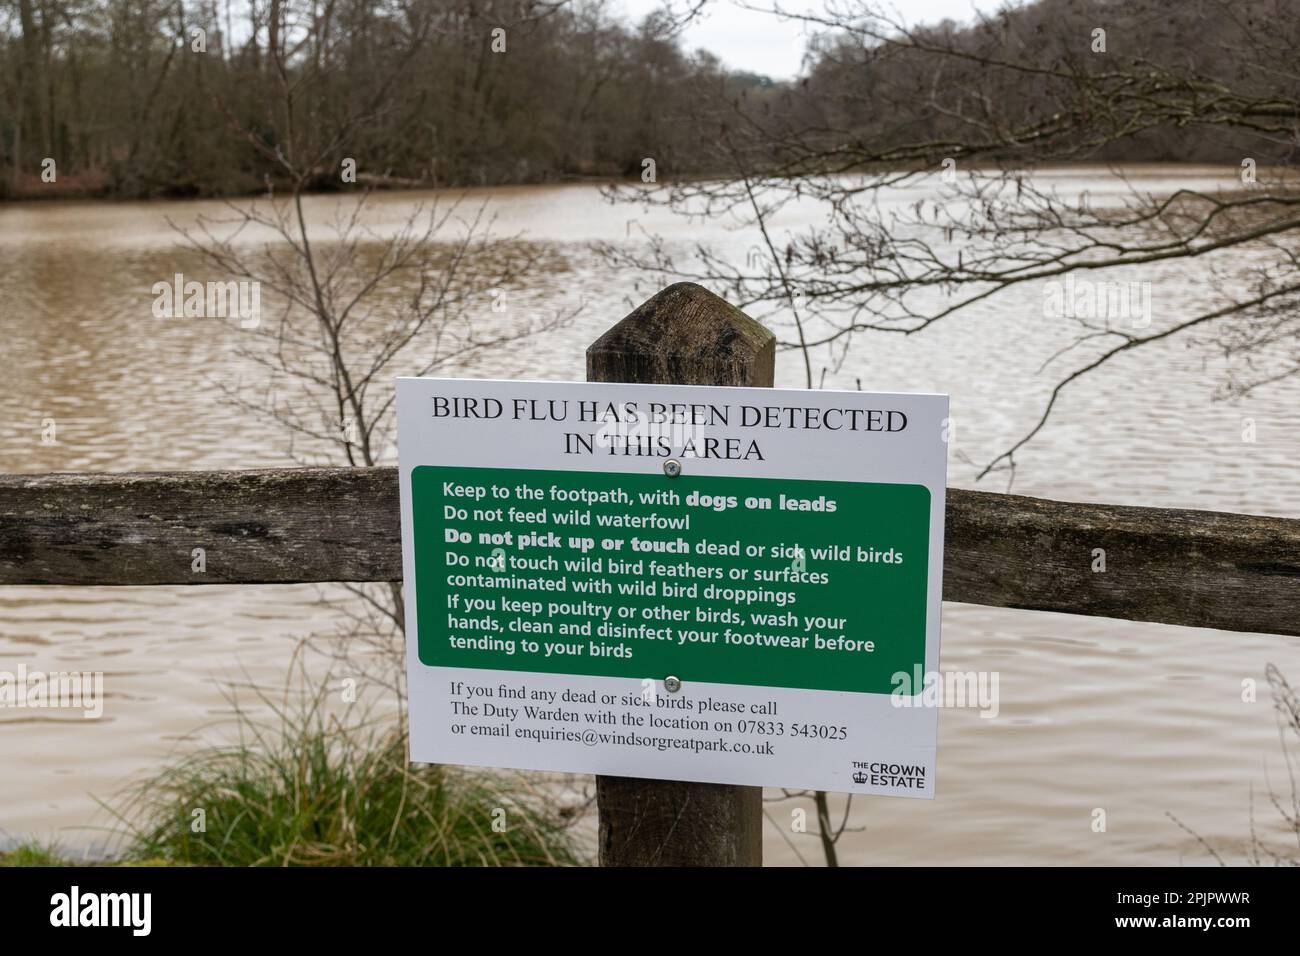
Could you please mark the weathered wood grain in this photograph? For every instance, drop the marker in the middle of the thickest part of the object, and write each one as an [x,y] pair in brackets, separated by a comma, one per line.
[255,527]
[290,526]
[676,823]
[1201,568]
[684,335]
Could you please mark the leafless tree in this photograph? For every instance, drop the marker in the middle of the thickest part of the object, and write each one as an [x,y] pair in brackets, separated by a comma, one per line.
[352,307]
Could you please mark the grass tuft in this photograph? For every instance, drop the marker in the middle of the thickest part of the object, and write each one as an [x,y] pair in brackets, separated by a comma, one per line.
[32,854]
[312,792]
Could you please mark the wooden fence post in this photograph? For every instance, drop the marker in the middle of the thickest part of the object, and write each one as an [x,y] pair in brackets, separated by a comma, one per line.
[685,335]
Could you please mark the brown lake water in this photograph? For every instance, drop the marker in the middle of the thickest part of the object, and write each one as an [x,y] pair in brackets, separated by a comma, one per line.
[1143,721]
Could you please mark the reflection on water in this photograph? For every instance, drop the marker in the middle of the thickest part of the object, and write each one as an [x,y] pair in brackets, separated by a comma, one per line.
[1145,722]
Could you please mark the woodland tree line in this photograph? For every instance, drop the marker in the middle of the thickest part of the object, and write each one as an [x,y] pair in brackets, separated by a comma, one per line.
[1087,78]
[192,97]
[445,92]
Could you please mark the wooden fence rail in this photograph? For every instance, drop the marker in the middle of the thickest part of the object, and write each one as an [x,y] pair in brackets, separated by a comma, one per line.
[290,526]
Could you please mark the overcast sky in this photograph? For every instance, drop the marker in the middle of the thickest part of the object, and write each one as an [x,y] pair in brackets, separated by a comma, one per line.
[763,43]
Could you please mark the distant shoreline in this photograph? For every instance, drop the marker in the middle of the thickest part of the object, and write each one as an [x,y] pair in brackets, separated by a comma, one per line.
[71,192]
[75,192]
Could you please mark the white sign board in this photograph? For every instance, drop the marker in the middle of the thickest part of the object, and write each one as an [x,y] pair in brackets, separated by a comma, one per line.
[730,585]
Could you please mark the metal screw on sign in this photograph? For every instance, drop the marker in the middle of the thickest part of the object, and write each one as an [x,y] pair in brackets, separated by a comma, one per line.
[672,468]
[672,684]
